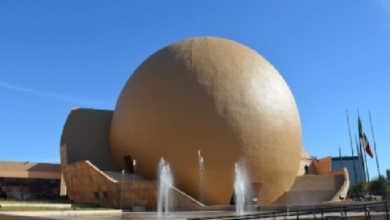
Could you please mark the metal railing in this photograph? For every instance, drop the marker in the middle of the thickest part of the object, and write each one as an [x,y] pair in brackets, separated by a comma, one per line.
[335,212]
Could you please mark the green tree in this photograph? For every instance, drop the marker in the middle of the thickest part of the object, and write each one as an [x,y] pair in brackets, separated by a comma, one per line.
[380,186]
[363,187]
[358,190]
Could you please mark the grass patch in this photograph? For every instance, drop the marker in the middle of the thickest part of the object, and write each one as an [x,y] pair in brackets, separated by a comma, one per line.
[31,209]
[28,209]
[34,201]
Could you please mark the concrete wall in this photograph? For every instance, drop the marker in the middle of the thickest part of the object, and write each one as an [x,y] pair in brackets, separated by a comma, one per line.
[305,160]
[63,190]
[86,133]
[323,166]
[343,191]
[84,181]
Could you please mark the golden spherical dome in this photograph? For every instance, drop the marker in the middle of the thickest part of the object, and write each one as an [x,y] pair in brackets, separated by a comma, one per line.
[216,96]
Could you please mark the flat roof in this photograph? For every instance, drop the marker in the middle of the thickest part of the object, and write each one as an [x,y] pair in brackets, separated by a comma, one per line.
[14,169]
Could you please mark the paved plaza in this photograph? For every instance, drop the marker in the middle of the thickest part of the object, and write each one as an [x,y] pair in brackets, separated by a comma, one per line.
[119,214]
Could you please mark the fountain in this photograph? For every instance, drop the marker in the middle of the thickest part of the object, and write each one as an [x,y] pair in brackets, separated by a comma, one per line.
[134,194]
[242,187]
[201,176]
[165,185]
[123,177]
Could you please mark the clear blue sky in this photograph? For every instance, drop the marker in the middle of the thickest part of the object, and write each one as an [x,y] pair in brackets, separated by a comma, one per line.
[54,55]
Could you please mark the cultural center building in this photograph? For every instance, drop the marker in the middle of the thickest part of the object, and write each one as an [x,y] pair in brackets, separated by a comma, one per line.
[21,180]
[203,94]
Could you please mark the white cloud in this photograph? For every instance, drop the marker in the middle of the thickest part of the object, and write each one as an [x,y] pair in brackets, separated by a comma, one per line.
[48,95]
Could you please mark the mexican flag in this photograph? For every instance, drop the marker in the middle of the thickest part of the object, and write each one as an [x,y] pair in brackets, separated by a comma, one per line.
[364,140]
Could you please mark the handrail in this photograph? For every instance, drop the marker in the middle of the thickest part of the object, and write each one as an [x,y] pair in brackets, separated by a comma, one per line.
[383,206]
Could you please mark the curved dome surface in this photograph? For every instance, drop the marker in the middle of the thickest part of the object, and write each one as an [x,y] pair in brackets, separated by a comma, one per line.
[213,95]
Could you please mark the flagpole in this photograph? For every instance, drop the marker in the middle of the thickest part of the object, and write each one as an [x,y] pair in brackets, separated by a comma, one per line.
[368,174]
[350,141]
[362,167]
[365,167]
[365,158]
[373,137]
[341,159]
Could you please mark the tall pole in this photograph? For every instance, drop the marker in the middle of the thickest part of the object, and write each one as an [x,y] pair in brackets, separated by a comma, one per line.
[341,159]
[376,155]
[366,170]
[365,157]
[373,138]
[361,166]
[350,141]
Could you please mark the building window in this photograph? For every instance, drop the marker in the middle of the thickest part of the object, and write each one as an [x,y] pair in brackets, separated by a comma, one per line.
[96,195]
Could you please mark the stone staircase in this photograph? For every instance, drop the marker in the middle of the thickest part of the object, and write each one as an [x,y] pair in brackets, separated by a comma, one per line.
[311,189]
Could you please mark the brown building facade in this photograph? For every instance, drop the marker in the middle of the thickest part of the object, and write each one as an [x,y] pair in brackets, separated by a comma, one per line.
[29,179]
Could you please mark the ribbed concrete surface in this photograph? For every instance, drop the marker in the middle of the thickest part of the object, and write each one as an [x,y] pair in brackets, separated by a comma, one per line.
[312,189]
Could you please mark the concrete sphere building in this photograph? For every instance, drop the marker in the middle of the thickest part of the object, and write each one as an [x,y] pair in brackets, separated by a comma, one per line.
[217,96]
[202,94]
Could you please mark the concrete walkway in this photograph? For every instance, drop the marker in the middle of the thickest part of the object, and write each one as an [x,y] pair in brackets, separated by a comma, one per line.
[62,215]
[29,204]
[118,214]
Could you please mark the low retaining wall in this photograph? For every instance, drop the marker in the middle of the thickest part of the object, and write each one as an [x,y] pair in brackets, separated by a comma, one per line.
[87,184]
